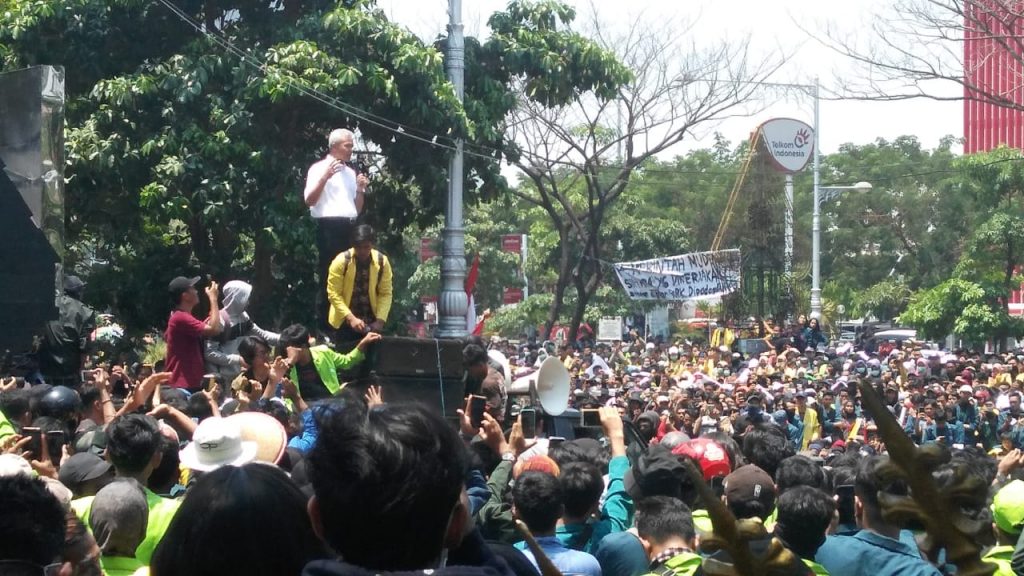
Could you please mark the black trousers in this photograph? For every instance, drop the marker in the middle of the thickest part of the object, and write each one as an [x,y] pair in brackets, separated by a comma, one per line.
[333,236]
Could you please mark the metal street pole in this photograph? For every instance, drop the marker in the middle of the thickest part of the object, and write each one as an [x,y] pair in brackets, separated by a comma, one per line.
[823,194]
[789,227]
[816,221]
[453,301]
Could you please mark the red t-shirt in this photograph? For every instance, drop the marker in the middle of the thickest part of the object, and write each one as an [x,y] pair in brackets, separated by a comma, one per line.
[184,337]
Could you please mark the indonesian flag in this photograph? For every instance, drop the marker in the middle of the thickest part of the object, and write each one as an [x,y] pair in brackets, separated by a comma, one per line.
[474,272]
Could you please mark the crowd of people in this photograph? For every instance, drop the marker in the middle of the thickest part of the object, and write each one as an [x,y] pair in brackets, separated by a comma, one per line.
[271,464]
[269,453]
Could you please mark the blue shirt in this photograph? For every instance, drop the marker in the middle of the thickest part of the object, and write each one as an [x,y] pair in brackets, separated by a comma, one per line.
[622,554]
[952,431]
[616,515]
[566,560]
[867,553]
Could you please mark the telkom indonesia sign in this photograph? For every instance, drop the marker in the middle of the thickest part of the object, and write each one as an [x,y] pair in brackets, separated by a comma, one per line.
[790,143]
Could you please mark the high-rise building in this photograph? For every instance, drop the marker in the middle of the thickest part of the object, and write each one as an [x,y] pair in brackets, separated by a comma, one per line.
[993,66]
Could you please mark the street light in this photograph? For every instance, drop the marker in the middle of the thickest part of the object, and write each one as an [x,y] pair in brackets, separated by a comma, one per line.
[823,194]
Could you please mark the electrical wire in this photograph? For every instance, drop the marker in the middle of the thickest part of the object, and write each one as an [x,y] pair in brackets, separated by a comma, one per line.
[493,154]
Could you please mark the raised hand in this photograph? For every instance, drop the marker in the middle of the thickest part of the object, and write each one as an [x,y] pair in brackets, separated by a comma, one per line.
[213,291]
[373,397]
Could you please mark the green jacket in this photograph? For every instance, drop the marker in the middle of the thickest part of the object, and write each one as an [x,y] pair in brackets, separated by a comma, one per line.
[1000,556]
[495,517]
[616,516]
[117,566]
[327,363]
[685,564]
[6,428]
[818,569]
[161,512]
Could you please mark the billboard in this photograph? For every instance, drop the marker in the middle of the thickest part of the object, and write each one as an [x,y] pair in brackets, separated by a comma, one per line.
[790,143]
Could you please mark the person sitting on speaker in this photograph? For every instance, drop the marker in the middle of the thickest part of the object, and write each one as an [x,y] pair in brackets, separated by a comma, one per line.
[315,369]
[359,288]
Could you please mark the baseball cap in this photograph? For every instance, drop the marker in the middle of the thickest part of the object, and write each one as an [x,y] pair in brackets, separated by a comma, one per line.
[750,483]
[1008,507]
[181,284]
[82,467]
[659,472]
[709,454]
[217,442]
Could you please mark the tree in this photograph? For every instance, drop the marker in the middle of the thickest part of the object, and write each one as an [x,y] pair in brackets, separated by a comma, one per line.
[583,155]
[915,47]
[187,149]
[885,300]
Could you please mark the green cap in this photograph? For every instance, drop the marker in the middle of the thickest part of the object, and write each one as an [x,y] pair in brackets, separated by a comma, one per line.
[1008,507]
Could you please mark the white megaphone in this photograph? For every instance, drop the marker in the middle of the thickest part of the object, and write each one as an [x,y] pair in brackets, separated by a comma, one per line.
[553,386]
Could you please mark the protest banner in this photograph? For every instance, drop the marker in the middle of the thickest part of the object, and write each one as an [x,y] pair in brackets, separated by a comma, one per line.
[694,276]
[609,328]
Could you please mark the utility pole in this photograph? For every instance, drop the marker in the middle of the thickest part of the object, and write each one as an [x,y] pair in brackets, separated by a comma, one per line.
[453,302]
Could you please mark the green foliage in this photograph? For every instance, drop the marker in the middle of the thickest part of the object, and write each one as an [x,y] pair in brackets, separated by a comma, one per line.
[961,307]
[884,300]
[186,156]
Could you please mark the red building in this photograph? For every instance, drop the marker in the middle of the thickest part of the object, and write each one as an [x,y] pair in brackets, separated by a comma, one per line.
[992,65]
[993,52]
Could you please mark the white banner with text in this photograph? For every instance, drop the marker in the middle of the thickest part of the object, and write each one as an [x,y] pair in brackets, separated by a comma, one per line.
[685,277]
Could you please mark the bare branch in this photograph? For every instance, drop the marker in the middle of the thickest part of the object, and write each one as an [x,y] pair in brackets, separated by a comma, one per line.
[917,46]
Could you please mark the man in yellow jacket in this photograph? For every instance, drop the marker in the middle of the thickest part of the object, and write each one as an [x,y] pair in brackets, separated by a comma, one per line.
[359,288]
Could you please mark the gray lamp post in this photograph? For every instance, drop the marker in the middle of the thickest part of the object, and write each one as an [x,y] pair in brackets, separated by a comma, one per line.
[823,194]
[453,301]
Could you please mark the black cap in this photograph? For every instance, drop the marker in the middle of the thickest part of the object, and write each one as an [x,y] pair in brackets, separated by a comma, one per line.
[659,472]
[181,284]
[82,467]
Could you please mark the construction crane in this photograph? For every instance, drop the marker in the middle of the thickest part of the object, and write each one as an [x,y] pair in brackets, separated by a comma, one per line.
[723,224]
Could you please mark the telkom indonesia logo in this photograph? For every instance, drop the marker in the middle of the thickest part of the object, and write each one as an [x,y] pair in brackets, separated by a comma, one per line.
[802,137]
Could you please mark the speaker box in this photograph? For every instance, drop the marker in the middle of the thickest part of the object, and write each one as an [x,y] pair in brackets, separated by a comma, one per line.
[28,274]
[417,358]
[443,395]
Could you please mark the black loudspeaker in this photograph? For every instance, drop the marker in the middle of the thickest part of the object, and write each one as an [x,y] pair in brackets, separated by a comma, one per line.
[444,395]
[424,370]
[28,273]
[417,358]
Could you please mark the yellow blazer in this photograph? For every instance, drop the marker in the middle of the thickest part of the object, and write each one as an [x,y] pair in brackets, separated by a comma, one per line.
[341,280]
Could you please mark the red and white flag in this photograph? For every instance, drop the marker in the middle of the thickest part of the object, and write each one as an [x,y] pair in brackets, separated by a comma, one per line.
[474,272]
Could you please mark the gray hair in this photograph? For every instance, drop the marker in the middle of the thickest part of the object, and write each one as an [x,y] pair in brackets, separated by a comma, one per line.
[339,135]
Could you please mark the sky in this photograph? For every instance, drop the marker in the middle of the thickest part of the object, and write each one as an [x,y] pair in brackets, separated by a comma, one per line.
[773,27]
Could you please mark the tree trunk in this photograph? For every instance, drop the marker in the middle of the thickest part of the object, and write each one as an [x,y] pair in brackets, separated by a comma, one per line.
[262,276]
[563,281]
[587,278]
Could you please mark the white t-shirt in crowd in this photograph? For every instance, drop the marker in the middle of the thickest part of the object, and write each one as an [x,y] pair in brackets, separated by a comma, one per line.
[338,199]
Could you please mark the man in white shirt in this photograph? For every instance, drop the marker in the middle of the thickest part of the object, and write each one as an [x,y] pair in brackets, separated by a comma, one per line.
[334,193]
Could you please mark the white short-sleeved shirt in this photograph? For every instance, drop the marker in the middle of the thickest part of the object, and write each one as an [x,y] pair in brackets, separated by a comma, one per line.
[339,197]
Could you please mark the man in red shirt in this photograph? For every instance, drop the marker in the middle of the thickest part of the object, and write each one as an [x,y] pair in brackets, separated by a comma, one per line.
[185,333]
